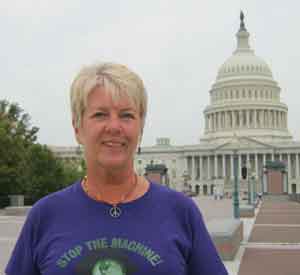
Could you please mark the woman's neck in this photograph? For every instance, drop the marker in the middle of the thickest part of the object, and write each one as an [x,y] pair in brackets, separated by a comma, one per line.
[111,185]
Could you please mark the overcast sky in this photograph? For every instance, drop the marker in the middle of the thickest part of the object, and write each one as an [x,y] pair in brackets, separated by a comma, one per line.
[176,46]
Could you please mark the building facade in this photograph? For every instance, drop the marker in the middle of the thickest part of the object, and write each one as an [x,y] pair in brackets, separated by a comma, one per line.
[245,118]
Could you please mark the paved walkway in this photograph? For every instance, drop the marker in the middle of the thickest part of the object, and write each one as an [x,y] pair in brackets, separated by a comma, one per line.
[9,230]
[211,209]
[274,244]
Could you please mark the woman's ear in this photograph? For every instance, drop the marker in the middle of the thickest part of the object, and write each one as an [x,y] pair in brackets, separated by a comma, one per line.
[77,131]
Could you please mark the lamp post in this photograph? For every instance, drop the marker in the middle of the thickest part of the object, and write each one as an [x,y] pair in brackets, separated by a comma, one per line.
[264,172]
[236,204]
[249,184]
[253,177]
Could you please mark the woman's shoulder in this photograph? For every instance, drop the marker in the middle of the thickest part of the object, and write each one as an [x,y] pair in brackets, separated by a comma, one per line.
[171,196]
[57,199]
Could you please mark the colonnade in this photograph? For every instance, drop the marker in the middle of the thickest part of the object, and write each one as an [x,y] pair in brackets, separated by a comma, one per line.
[251,118]
[220,165]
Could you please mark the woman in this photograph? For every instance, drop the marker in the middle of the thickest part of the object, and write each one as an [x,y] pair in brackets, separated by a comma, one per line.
[113,221]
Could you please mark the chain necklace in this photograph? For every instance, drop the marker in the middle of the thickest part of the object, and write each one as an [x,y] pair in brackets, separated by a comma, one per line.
[115,211]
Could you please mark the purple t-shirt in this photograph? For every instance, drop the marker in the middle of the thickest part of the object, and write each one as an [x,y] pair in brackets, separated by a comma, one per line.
[160,233]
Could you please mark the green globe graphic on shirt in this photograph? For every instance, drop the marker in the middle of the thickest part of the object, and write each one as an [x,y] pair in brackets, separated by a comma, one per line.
[108,267]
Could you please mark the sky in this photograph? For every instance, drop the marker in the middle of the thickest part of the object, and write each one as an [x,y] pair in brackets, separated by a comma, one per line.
[176,47]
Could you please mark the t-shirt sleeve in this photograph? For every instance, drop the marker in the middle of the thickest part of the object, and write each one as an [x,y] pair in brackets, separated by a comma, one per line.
[22,259]
[204,258]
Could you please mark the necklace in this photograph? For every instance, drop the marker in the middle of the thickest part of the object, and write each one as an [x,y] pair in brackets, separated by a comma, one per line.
[115,211]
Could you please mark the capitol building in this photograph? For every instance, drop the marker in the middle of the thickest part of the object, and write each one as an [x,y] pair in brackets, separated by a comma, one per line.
[245,118]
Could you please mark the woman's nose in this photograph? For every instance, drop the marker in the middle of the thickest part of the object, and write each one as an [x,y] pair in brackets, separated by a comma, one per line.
[114,124]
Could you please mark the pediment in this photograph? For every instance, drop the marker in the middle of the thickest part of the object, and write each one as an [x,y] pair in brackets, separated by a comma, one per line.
[244,143]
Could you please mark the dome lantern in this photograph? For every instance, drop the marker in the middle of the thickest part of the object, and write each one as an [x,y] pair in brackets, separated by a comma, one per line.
[242,37]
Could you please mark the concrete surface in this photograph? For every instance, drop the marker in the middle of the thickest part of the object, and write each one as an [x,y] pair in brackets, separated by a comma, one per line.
[211,209]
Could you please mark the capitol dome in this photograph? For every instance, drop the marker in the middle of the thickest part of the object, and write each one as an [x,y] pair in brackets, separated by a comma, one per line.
[245,99]
[244,62]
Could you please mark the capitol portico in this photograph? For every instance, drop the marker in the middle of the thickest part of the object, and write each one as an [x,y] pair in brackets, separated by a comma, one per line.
[245,117]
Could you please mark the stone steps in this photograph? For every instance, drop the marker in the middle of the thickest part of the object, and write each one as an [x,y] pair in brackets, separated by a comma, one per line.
[276,198]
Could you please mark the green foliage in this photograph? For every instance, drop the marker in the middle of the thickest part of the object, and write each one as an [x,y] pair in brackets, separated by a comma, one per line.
[16,136]
[26,167]
[45,173]
[73,172]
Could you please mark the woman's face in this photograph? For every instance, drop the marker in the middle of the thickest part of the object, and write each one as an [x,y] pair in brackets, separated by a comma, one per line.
[109,130]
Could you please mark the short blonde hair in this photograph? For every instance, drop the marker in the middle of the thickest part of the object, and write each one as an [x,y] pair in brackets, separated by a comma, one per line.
[116,79]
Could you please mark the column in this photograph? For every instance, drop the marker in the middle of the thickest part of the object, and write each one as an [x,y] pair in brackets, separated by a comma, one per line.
[268,118]
[201,167]
[248,118]
[198,168]
[264,175]
[216,165]
[285,120]
[208,122]
[254,118]
[256,165]
[185,164]
[297,165]
[248,164]
[240,166]
[260,118]
[227,119]
[224,165]
[208,168]
[193,168]
[272,120]
[280,120]
[231,167]
[189,165]
[241,119]
[207,117]
[221,120]
[233,119]
[289,165]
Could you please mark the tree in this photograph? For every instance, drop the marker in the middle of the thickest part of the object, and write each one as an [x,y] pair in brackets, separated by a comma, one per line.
[27,167]
[16,137]
[45,173]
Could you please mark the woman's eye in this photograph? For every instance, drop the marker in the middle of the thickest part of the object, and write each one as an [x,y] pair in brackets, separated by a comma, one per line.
[127,115]
[99,114]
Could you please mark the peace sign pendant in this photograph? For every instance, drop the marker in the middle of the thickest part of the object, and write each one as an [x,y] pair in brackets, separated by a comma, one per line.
[115,211]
